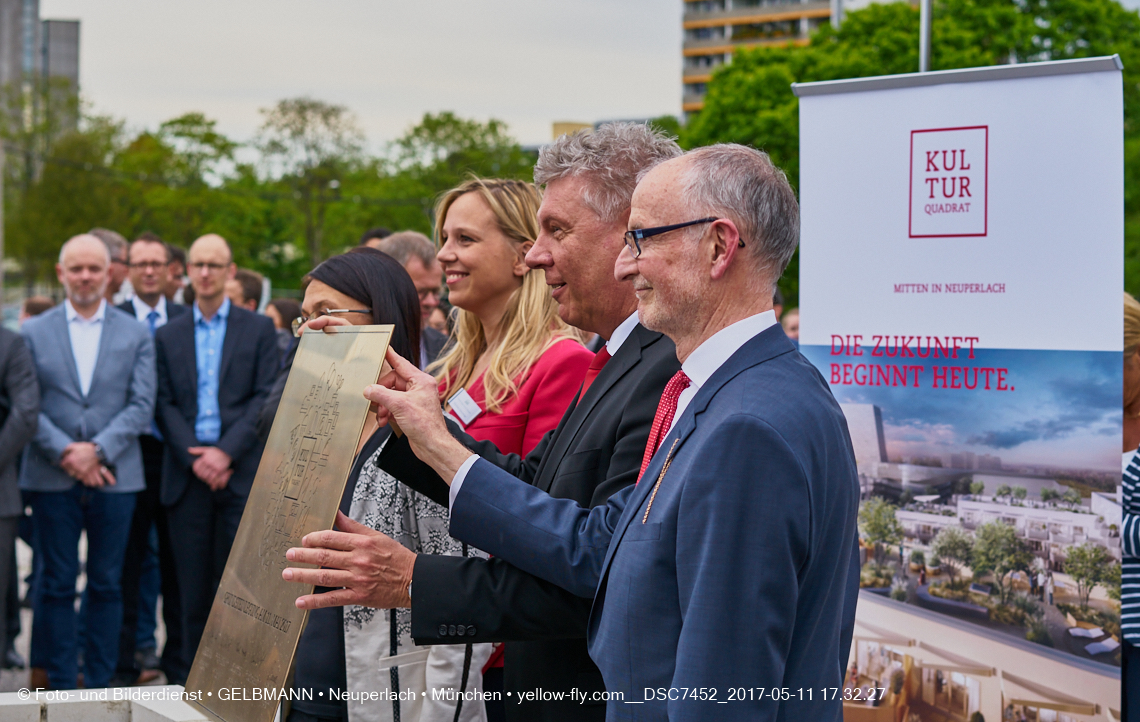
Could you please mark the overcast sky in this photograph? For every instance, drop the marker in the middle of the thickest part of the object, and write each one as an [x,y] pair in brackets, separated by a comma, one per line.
[528,62]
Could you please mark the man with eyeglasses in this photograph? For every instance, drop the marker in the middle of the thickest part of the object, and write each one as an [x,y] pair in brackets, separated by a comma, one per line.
[215,368]
[149,271]
[724,580]
[416,253]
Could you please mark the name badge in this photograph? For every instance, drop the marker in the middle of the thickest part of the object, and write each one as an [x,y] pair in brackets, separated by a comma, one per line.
[464,407]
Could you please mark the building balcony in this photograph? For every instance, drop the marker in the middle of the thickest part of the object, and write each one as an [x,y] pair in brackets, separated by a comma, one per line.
[761,13]
[716,46]
[1038,534]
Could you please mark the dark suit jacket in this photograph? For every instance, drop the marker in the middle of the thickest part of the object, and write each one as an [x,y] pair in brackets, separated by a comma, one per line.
[730,567]
[431,343]
[249,364]
[595,451]
[19,415]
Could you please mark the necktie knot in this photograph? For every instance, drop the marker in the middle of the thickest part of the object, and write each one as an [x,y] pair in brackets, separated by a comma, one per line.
[596,364]
[663,420]
[152,320]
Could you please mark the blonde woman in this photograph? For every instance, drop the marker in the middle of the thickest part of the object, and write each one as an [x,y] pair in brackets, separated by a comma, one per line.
[512,367]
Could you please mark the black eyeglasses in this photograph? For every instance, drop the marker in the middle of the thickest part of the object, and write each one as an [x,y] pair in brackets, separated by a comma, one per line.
[302,320]
[634,238]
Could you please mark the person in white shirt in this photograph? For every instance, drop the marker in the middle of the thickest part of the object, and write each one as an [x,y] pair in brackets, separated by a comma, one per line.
[96,370]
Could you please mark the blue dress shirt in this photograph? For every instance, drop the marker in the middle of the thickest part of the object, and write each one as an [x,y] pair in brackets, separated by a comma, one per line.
[208,339]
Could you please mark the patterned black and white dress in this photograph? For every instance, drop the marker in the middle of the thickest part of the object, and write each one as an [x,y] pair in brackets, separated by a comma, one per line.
[380,655]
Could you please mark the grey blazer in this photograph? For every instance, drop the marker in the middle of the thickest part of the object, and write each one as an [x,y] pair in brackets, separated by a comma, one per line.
[19,409]
[118,407]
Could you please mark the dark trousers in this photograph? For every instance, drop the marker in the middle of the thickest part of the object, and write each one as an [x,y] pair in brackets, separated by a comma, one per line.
[61,516]
[8,528]
[1130,683]
[203,525]
[150,512]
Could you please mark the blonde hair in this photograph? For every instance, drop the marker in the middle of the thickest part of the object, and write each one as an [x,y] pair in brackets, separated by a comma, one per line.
[1131,325]
[530,324]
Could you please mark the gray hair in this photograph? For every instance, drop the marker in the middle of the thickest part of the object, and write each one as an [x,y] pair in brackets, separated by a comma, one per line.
[115,243]
[82,237]
[612,159]
[741,184]
[405,244]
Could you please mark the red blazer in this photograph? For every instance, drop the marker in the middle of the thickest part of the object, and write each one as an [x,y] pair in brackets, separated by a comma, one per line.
[546,390]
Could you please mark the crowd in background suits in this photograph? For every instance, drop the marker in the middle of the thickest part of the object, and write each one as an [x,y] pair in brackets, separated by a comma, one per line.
[125,382]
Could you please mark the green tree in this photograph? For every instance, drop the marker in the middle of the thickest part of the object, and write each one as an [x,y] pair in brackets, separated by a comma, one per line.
[1003,491]
[1020,492]
[1050,495]
[955,547]
[309,145]
[1111,580]
[1072,497]
[999,551]
[879,526]
[1088,565]
[977,488]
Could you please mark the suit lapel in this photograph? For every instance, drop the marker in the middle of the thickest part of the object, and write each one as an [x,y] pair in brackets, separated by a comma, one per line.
[64,334]
[769,344]
[104,340]
[628,356]
[229,343]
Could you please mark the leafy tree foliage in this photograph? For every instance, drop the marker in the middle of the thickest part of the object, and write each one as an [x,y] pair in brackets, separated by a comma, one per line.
[750,100]
[1000,552]
[311,192]
[955,547]
[1090,564]
[879,526]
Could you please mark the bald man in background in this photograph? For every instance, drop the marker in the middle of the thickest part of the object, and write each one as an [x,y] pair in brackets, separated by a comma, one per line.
[216,366]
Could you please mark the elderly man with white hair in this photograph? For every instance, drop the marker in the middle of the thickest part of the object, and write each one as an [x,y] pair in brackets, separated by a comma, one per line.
[95,366]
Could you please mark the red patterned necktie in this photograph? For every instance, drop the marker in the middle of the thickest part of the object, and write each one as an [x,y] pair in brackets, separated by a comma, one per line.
[664,418]
[596,365]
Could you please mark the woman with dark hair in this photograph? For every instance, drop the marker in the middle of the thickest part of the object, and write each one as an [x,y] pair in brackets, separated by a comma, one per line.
[359,649]
[282,311]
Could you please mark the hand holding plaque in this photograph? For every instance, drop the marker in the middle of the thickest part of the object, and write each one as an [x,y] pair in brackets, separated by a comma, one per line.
[410,397]
[373,569]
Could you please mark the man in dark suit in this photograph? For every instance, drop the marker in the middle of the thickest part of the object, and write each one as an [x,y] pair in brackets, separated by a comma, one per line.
[593,452]
[149,273]
[730,564]
[416,253]
[215,367]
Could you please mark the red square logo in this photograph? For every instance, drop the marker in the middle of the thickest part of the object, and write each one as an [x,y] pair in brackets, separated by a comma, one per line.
[948,182]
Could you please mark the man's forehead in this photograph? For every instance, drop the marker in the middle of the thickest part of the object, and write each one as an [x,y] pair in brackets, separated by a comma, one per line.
[85,253]
[209,249]
[147,248]
[563,197]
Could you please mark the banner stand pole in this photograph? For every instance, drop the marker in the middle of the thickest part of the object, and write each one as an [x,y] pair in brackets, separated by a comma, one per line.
[924,37]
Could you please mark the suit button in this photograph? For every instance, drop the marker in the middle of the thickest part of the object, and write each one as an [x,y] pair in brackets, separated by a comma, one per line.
[451,630]
[471,630]
[461,630]
[443,630]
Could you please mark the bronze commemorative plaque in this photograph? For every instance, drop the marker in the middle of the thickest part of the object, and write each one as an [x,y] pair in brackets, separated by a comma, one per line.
[241,669]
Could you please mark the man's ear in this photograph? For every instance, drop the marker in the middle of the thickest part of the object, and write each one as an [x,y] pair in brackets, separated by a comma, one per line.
[722,250]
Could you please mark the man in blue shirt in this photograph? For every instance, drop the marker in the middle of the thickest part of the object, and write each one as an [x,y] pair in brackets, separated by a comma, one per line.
[215,368]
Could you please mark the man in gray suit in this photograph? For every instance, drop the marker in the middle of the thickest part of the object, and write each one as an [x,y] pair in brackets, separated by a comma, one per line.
[96,370]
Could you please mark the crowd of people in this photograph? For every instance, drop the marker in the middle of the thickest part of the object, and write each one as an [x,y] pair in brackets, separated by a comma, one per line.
[586,324]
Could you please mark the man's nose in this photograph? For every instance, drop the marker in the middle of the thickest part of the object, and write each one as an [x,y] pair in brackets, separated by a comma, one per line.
[539,254]
[626,265]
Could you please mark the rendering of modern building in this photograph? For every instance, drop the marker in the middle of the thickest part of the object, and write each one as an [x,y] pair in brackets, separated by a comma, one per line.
[947,669]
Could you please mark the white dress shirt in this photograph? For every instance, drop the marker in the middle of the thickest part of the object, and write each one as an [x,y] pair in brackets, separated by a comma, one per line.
[142,311]
[85,334]
[613,345]
[715,351]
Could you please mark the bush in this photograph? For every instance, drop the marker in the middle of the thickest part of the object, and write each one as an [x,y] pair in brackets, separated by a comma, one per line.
[898,591]
[977,717]
[1038,632]
[873,577]
[917,557]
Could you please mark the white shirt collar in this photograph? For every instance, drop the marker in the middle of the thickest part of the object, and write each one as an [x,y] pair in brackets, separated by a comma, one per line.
[73,315]
[620,334]
[142,309]
[716,349]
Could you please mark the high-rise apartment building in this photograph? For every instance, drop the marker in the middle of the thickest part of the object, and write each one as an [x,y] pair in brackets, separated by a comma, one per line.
[715,29]
[34,48]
